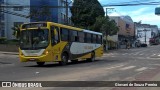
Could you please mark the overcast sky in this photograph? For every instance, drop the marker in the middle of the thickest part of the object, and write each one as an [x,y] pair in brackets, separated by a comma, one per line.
[146,14]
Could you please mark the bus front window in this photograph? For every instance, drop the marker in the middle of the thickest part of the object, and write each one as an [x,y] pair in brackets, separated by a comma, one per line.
[34,39]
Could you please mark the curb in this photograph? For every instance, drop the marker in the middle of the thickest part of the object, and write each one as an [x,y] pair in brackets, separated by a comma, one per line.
[9,53]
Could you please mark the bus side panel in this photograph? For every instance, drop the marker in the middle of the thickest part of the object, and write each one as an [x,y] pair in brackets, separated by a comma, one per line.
[99,51]
[84,50]
[61,47]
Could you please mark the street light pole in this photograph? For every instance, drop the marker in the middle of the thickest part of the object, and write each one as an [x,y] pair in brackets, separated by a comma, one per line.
[145,37]
[107,10]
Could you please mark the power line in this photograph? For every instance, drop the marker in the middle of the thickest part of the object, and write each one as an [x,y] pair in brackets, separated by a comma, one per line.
[132,4]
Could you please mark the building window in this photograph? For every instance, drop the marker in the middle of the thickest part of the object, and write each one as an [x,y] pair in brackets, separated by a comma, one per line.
[18,8]
[1,1]
[2,33]
[2,16]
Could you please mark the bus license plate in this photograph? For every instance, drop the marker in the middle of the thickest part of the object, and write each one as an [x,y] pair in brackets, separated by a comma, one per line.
[32,59]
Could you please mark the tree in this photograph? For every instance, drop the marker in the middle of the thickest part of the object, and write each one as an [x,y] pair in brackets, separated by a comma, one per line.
[16,31]
[85,12]
[106,26]
[110,28]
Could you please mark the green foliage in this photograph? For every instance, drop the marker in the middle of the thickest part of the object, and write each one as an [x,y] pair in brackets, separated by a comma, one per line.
[3,40]
[13,42]
[16,31]
[85,12]
[98,23]
[89,14]
[104,25]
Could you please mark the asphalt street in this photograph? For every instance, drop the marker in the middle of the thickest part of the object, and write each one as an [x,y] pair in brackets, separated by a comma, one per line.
[137,64]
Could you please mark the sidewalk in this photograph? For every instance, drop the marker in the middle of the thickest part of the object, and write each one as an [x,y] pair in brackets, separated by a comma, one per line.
[10,53]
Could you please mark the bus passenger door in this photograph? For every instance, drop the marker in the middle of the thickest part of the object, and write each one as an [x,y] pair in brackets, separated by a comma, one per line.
[55,43]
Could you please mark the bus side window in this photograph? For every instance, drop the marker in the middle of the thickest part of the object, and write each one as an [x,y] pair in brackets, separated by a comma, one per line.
[73,36]
[64,34]
[88,38]
[52,35]
[99,39]
[94,38]
[81,37]
[85,37]
[56,34]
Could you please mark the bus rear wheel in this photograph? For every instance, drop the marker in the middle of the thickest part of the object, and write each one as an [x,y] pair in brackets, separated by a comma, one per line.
[40,63]
[92,59]
[64,59]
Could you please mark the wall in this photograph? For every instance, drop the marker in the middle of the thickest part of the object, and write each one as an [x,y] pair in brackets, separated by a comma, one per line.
[53,10]
[121,23]
[8,48]
[62,11]
[10,19]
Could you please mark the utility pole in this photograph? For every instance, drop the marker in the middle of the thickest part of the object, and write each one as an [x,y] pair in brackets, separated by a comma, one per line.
[145,31]
[108,9]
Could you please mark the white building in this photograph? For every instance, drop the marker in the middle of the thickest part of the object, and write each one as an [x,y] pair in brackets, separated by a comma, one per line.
[62,17]
[12,18]
[145,31]
[15,16]
[2,23]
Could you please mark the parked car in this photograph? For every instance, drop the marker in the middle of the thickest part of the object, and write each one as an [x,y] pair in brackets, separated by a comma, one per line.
[144,45]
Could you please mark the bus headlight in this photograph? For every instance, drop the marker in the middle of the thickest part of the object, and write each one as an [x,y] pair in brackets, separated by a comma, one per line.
[45,53]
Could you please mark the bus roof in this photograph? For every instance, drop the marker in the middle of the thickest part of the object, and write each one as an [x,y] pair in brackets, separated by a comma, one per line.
[88,31]
[65,26]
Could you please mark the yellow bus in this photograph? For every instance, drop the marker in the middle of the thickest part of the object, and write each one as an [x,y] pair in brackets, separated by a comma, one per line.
[42,42]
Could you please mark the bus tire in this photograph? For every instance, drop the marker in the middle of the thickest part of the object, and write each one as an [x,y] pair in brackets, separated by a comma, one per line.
[92,59]
[40,63]
[64,59]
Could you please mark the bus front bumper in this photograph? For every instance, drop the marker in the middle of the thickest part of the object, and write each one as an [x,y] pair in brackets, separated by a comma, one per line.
[42,58]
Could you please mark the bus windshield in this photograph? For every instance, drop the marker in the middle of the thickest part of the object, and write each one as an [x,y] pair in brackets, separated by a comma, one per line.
[34,39]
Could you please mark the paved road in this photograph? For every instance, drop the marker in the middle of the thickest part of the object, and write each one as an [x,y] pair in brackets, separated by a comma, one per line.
[139,64]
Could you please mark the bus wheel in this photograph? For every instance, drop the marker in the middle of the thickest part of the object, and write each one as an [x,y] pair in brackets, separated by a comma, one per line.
[92,59]
[64,59]
[40,63]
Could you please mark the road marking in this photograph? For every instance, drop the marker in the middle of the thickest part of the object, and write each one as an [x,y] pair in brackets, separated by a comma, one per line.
[125,54]
[129,67]
[155,64]
[6,65]
[114,67]
[141,69]
[158,55]
[135,53]
[141,54]
[153,54]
